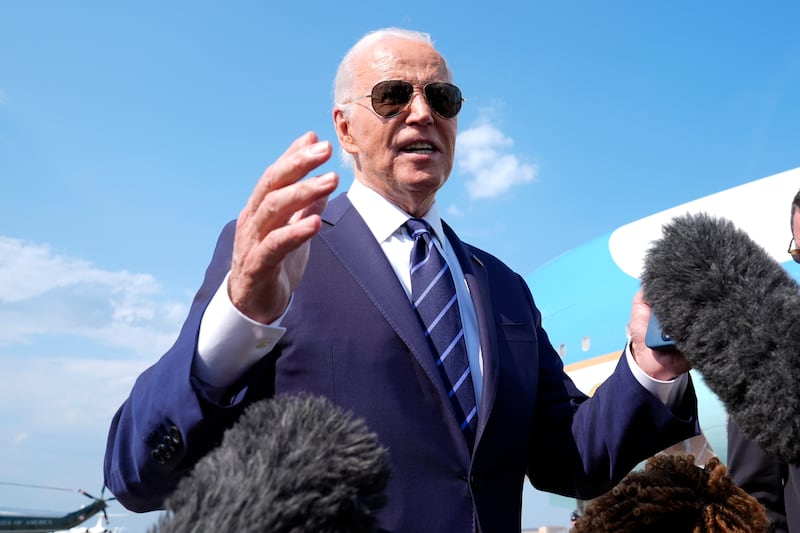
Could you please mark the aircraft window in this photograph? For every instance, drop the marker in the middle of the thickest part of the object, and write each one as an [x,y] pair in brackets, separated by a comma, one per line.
[586,343]
[562,350]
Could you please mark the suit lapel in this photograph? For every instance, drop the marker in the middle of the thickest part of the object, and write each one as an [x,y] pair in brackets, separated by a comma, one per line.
[349,239]
[477,278]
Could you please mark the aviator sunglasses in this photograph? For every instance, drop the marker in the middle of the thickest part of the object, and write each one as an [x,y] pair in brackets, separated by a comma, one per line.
[390,97]
[794,250]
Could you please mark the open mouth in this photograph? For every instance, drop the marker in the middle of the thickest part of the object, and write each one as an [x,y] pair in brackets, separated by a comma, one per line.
[419,148]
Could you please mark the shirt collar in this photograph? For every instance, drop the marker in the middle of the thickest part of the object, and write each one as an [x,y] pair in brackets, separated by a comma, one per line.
[383,217]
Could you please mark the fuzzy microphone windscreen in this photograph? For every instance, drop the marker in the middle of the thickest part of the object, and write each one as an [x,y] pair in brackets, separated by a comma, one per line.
[734,312]
[289,464]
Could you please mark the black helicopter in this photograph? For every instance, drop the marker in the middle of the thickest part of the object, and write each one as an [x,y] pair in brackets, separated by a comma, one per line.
[45,523]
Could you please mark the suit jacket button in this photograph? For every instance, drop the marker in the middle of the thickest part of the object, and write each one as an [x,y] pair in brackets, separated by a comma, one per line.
[475,481]
[168,443]
[175,435]
[157,457]
[164,451]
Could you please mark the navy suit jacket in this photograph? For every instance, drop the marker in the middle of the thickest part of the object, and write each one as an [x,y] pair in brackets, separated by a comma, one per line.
[353,337]
[774,482]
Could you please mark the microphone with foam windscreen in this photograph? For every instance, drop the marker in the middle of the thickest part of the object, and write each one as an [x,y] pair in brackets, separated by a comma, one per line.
[734,312]
[290,464]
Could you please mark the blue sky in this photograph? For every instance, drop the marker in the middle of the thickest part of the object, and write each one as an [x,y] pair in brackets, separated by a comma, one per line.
[130,132]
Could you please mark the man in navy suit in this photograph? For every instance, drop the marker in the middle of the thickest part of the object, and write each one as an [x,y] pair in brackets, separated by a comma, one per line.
[300,296]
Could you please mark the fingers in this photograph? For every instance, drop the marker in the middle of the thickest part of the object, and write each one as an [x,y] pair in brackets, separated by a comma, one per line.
[638,298]
[284,220]
[270,246]
[273,248]
[288,204]
[640,315]
[281,190]
[303,225]
[663,366]
[304,155]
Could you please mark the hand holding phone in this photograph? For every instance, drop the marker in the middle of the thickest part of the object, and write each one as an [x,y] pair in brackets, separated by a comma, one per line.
[656,339]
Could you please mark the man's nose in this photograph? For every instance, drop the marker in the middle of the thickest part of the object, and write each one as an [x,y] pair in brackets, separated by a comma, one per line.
[419,107]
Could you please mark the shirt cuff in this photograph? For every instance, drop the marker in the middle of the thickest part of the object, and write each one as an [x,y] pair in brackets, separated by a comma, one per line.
[229,342]
[669,392]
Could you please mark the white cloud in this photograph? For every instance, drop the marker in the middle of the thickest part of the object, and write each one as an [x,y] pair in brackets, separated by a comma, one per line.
[483,152]
[454,211]
[73,339]
[45,293]
[72,394]
[28,270]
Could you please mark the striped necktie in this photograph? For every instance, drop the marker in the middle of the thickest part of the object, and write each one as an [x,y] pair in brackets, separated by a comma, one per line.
[434,298]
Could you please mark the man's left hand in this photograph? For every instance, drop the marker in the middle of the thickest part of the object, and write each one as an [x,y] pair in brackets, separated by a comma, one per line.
[661,365]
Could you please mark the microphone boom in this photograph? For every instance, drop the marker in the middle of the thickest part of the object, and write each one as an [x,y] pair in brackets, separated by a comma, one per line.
[734,312]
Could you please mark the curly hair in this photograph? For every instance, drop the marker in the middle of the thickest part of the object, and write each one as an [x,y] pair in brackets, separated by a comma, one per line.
[673,495]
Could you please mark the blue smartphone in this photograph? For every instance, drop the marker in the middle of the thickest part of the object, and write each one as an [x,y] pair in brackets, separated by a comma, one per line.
[656,339]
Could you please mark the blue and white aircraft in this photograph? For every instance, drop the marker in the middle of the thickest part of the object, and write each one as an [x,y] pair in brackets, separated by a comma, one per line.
[585,294]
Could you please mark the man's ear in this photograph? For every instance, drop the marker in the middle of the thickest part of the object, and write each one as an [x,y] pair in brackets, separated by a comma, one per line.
[342,125]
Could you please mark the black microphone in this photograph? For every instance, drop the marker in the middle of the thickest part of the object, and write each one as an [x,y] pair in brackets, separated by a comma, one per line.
[290,464]
[734,312]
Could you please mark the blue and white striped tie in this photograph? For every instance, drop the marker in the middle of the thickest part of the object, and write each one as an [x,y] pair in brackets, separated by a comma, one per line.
[434,298]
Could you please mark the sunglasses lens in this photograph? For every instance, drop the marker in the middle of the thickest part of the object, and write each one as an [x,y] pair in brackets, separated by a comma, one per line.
[444,98]
[390,97]
[794,250]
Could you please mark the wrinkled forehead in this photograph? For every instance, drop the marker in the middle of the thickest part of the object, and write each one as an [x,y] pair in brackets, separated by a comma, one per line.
[399,59]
